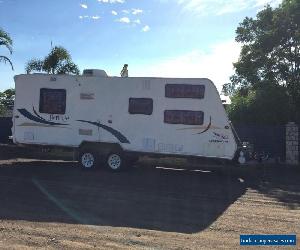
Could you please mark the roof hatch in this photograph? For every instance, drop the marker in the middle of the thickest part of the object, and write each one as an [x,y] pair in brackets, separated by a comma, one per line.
[95,72]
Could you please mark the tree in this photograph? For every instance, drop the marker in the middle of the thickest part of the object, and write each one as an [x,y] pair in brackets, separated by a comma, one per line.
[228,89]
[268,104]
[58,61]
[6,100]
[270,55]
[6,41]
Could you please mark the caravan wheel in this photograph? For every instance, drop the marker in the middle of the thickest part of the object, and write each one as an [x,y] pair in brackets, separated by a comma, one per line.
[115,161]
[88,160]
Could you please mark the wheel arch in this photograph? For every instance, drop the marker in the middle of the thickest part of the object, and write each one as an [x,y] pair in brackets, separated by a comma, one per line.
[103,148]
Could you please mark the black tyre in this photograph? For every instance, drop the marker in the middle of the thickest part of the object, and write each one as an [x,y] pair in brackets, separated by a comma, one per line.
[115,161]
[88,159]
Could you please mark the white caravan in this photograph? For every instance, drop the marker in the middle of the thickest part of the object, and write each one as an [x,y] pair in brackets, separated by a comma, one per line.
[116,119]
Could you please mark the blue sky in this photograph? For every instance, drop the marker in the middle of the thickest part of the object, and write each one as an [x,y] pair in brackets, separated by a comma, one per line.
[173,38]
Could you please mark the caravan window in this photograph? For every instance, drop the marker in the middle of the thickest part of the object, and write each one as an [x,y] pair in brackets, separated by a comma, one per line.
[185,117]
[142,106]
[52,101]
[184,91]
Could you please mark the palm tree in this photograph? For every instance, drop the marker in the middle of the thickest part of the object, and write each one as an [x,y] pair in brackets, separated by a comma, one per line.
[6,100]
[58,61]
[7,42]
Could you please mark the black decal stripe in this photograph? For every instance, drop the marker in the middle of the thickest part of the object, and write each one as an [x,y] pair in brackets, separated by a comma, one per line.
[31,117]
[37,114]
[114,132]
[208,126]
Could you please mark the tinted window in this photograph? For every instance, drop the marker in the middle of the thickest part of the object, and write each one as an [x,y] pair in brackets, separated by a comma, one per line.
[52,101]
[186,117]
[141,106]
[184,91]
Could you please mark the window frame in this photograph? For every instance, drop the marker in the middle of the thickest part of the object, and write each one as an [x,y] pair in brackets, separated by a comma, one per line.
[185,95]
[182,123]
[41,104]
[131,112]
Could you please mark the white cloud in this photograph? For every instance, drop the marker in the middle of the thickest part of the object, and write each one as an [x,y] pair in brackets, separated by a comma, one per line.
[84,6]
[260,4]
[273,3]
[146,28]
[215,64]
[90,17]
[136,11]
[111,1]
[124,20]
[137,21]
[113,12]
[220,7]
[82,17]
[125,11]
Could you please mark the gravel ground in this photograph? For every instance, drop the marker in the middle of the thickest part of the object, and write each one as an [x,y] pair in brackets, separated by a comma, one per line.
[55,205]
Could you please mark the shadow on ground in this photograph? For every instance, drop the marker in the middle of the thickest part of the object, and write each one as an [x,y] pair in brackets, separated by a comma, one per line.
[162,199]
[281,183]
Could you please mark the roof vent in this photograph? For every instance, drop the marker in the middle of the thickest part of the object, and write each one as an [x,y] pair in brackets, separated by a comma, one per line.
[95,72]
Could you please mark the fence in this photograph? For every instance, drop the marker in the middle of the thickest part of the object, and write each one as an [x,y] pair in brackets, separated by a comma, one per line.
[5,128]
[270,139]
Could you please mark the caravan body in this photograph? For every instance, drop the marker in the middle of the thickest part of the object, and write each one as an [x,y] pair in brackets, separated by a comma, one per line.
[171,116]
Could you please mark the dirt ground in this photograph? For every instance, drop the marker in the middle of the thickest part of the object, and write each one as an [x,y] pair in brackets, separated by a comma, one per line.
[56,205]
